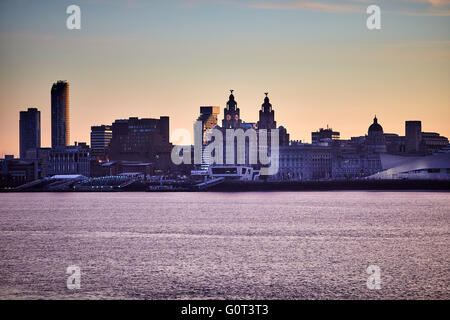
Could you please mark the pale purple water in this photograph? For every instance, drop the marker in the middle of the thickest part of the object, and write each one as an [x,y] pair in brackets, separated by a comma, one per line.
[309,245]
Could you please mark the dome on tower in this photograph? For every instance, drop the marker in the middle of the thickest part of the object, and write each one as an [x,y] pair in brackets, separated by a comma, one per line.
[231,97]
[231,104]
[266,106]
[375,126]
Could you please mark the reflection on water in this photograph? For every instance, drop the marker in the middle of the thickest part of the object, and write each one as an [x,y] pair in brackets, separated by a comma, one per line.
[299,245]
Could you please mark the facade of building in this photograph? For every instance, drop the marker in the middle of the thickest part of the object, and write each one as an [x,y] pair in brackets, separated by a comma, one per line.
[60,114]
[144,140]
[16,172]
[30,131]
[350,166]
[394,143]
[41,155]
[69,160]
[431,167]
[100,139]
[304,162]
[360,156]
[433,142]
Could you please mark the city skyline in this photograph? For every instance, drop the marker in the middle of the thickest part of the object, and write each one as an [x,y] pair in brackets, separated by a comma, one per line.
[265,101]
[321,65]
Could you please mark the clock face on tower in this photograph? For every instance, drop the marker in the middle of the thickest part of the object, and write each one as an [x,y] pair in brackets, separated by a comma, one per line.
[228,117]
[236,117]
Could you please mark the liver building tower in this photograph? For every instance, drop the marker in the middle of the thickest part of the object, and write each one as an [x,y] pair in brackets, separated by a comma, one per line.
[231,118]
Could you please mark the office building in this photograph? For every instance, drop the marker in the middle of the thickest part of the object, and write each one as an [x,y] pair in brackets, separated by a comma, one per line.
[30,131]
[145,140]
[60,114]
[100,139]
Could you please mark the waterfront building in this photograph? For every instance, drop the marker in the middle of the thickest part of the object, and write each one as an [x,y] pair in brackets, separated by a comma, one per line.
[69,160]
[304,162]
[143,140]
[16,172]
[60,114]
[354,165]
[29,130]
[266,122]
[432,167]
[251,130]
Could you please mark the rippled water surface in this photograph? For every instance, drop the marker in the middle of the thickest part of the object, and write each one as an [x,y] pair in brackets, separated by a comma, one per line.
[299,245]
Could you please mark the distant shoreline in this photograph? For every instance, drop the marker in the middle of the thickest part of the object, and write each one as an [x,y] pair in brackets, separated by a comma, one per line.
[261,186]
[361,185]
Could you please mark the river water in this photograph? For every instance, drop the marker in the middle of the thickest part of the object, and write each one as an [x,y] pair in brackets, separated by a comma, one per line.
[271,245]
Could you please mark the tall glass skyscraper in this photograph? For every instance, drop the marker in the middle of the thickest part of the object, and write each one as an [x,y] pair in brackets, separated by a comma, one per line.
[30,131]
[60,114]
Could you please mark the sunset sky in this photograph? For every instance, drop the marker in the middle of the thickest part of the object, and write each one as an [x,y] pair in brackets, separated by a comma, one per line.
[142,58]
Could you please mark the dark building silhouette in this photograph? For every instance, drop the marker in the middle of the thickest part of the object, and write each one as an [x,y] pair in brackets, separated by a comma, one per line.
[266,115]
[16,172]
[142,140]
[413,136]
[267,121]
[60,114]
[432,141]
[284,136]
[395,144]
[375,141]
[30,131]
[232,119]
[323,134]
[100,139]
